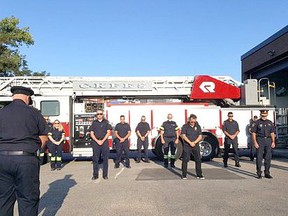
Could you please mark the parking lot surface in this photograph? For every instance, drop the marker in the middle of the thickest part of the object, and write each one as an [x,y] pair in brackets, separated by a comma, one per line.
[150,189]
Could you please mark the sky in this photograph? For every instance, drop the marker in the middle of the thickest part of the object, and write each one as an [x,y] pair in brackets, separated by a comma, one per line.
[144,37]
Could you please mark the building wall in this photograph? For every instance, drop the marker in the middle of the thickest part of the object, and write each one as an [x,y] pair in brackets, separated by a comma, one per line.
[265,58]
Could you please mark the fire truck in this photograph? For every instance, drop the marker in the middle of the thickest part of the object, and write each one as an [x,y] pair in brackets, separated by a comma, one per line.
[75,100]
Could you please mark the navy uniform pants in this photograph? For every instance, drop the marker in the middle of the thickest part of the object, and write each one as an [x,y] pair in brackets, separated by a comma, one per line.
[120,147]
[56,155]
[169,143]
[195,151]
[227,144]
[252,149]
[19,179]
[97,152]
[141,143]
[264,150]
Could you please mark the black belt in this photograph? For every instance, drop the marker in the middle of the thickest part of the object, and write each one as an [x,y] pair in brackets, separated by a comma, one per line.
[263,137]
[17,153]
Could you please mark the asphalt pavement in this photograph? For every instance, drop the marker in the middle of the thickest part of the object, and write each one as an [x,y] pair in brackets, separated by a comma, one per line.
[150,189]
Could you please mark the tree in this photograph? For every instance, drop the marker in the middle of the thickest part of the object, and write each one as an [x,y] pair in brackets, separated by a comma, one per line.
[27,72]
[12,63]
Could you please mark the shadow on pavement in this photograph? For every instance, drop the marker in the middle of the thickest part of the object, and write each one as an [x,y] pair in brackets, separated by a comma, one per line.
[52,200]
[285,168]
[233,169]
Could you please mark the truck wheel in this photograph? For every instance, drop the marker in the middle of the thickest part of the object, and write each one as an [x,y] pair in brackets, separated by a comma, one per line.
[209,146]
[158,150]
[179,150]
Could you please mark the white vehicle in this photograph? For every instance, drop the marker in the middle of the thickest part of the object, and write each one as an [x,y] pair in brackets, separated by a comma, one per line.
[74,101]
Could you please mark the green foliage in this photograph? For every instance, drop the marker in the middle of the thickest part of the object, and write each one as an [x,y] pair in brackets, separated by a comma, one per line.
[12,63]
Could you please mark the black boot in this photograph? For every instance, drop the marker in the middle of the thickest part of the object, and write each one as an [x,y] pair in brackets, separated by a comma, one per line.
[165,163]
[172,163]
[237,164]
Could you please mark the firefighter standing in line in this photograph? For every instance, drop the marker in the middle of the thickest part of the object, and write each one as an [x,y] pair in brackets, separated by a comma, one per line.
[122,132]
[142,131]
[169,132]
[47,146]
[231,130]
[100,130]
[23,131]
[250,139]
[56,137]
[192,135]
[264,140]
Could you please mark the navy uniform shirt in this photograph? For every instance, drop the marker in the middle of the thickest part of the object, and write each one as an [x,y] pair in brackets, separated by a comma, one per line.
[192,133]
[142,127]
[100,128]
[231,127]
[263,128]
[20,127]
[169,128]
[55,134]
[122,129]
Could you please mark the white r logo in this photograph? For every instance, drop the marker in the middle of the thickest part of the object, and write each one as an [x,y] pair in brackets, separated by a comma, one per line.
[207,87]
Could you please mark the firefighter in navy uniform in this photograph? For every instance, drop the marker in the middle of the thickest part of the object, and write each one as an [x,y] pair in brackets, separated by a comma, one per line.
[169,132]
[100,130]
[250,138]
[192,135]
[56,136]
[142,131]
[47,146]
[263,134]
[23,131]
[231,130]
[122,132]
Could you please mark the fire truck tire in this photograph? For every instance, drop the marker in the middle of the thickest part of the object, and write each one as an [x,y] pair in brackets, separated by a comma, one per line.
[158,150]
[209,146]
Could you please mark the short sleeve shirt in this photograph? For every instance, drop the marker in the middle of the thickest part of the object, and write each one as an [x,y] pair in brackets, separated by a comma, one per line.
[55,134]
[169,128]
[263,128]
[122,129]
[192,133]
[20,127]
[230,126]
[100,128]
[143,128]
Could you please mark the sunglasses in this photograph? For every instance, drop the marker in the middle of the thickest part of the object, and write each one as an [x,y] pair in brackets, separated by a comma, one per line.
[56,123]
[230,116]
[99,114]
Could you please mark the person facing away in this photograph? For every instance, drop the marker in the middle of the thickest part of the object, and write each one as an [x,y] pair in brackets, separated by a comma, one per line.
[56,137]
[23,132]
[142,130]
[122,132]
[231,131]
[191,133]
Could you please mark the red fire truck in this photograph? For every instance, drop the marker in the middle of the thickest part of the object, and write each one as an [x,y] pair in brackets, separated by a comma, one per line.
[74,101]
